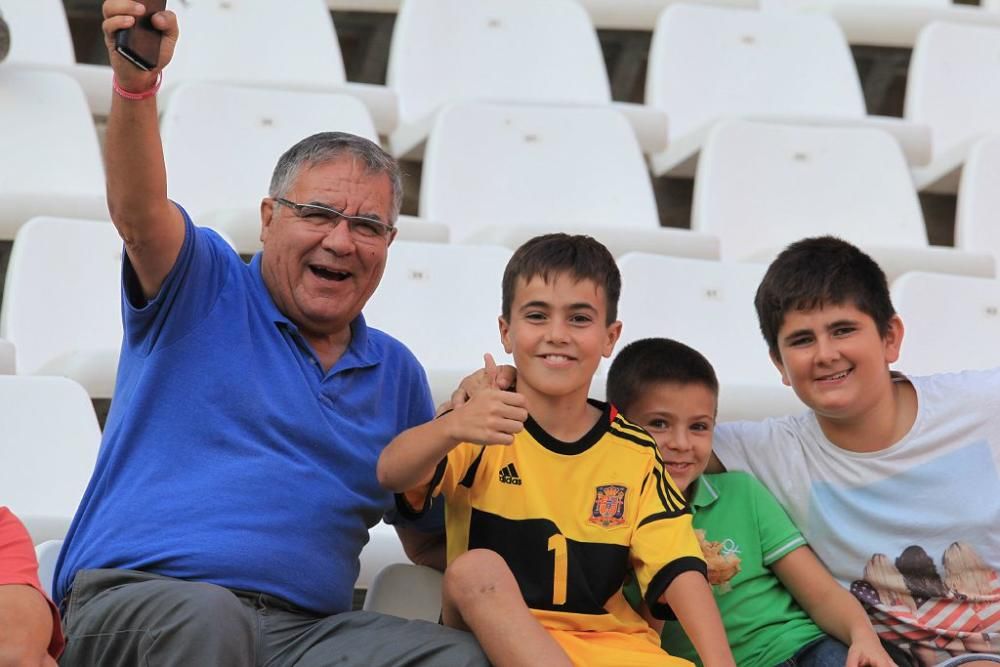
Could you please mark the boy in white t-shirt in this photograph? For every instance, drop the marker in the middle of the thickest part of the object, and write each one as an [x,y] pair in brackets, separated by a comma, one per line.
[893,480]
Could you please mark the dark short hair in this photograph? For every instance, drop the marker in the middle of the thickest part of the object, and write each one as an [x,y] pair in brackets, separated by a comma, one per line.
[328,146]
[651,360]
[820,271]
[582,257]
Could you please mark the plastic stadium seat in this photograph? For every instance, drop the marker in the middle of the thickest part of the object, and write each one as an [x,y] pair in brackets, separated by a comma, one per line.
[761,186]
[953,87]
[642,14]
[49,446]
[221,143]
[47,554]
[442,301]
[75,264]
[51,159]
[707,64]
[7,356]
[407,591]
[709,306]
[977,224]
[41,40]
[237,42]
[952,322]
[893,23]
[383,549]
[502,174]
[510,51]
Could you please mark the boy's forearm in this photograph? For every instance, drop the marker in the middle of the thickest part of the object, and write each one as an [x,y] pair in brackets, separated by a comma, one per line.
[690,598]
[409,461]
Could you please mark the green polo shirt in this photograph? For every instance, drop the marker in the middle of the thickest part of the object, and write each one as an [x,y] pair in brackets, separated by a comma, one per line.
[764,624]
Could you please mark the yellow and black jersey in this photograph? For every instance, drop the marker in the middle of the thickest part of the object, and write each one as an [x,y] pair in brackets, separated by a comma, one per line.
[571,519]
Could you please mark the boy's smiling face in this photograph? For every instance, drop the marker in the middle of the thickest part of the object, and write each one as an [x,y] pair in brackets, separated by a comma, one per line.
[558,333]
[680,417]
[836,361]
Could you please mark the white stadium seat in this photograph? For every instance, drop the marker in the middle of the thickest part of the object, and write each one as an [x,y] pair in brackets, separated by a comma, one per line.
[383,549]
[708,63]
[47,554]
[761,186]
[952,323]
[502,174]
[51,159]
[236,42]
[977,224]
[510,51]
[892,23]
[49,446]
[41,39]
[954,88]
[7,357]
[642,14]
[221,143]
[442,301]
[709,306]
[62,301]
[407,591]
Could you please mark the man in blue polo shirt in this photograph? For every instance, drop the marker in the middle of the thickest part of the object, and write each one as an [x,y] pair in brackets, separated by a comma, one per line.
[235,485]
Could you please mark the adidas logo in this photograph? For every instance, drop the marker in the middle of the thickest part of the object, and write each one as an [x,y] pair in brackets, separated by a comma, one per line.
[508,475]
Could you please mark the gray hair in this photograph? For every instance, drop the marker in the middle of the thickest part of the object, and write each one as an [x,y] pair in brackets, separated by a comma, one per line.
[327,146]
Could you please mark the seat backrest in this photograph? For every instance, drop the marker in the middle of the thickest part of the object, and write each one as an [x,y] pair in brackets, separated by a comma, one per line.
[49,446]
[51,157]
[256,42]
[501,50]
[47,554]
[7,356]
[707,63]
[39,33]
[564,168]
[705,304]
[977,222]
[221,143]
[63,291]
[952,322]
[952,85]
[760,186]
[407,591]
[442,301]
[811,4]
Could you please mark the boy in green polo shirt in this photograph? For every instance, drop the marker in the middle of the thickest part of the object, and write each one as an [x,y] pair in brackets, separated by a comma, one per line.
[779,605]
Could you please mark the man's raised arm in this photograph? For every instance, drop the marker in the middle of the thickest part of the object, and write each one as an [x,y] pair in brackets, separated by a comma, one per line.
[152,227]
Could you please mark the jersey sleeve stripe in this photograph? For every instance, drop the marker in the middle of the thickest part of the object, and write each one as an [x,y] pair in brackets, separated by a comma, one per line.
[470,474]
[662,580]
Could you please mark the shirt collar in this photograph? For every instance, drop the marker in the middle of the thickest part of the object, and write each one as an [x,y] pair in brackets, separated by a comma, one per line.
[704,495]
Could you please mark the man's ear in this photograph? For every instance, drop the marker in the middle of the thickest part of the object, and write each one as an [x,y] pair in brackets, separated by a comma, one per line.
[505,335]
[893,339]
[266,216]
[776,360]
[614,334]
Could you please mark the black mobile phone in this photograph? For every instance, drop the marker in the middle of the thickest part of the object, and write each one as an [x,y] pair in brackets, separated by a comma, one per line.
[140,44]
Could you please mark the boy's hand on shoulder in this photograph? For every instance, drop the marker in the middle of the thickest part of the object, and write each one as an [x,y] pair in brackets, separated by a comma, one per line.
[868,652]
[492,415]
[490,376]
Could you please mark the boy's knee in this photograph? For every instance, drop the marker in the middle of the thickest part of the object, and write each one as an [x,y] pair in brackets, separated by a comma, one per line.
[13,654]
[477,572]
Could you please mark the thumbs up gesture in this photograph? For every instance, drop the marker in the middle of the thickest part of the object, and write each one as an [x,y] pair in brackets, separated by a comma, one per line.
[492,415]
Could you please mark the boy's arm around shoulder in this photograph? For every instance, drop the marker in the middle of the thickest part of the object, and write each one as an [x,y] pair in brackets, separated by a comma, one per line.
[831,606]
[491,417]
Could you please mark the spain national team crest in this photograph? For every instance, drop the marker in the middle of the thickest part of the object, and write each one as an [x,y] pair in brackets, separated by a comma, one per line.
[609,506]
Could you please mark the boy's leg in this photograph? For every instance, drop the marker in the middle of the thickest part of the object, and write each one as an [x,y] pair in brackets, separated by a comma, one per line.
[826,652]
[126,618]
[480,593]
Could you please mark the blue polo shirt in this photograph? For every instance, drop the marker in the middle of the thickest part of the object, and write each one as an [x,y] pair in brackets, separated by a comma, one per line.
[229,456]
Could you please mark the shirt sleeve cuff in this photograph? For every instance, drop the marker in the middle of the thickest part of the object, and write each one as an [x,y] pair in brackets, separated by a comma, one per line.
[406,502]
[662,580]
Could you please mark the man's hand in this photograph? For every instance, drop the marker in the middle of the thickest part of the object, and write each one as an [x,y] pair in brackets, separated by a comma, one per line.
[500,377]
[122,14]
[492,415]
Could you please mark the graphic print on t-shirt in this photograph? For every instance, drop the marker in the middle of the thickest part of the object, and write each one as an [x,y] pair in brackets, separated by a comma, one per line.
[922,560]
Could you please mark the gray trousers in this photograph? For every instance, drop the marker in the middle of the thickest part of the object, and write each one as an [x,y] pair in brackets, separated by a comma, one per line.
[125,618]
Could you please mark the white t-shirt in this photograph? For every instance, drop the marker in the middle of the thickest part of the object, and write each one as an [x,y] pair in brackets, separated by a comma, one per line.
[913,530]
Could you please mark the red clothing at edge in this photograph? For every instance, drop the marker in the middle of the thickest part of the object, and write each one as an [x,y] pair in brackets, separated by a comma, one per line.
[19,566]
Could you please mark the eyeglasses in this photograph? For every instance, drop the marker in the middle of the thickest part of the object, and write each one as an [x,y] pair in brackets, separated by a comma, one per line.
[324,218]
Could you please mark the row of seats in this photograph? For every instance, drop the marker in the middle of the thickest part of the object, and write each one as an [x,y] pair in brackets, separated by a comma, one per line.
[61,312]
[706,64]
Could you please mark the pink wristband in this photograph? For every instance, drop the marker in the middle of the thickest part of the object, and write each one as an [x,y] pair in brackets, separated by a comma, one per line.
[128,95]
